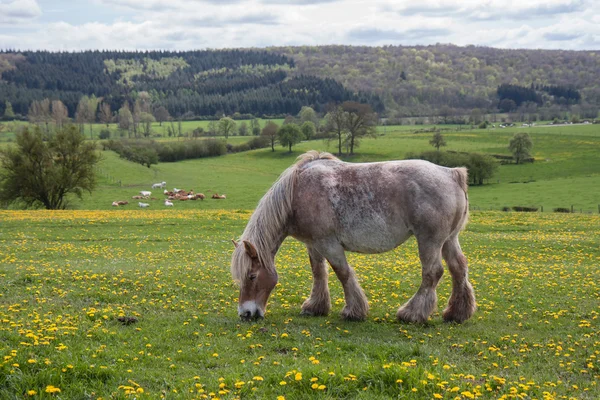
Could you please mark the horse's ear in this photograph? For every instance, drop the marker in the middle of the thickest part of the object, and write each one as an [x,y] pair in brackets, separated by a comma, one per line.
[234,242]
[250,249]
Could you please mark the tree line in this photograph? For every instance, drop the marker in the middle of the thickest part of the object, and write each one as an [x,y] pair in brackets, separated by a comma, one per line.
[418,81]
[192,83]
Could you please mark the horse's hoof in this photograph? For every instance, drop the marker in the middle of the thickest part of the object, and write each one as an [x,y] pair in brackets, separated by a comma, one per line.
[313,313]
[349,316]
[405,315]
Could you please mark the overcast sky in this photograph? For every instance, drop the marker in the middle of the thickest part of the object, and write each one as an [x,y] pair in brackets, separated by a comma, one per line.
[200,24]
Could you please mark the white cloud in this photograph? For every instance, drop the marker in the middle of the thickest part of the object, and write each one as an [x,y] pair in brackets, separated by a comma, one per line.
[193,24]
[18,11]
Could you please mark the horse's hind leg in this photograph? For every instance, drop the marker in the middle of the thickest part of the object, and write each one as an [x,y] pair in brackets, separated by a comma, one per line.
[424,302]
[319,302]
[461,304]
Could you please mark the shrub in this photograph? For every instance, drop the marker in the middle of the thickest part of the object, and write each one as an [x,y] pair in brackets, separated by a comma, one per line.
[562,210]
[524,209]
[104,134]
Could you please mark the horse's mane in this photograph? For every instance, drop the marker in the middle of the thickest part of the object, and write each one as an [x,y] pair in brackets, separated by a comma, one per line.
[268,221]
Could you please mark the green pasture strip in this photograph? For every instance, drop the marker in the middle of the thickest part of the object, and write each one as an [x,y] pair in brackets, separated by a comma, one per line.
[566,171]
[124,304]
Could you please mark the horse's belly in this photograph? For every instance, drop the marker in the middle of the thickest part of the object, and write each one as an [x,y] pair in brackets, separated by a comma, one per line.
[373,239]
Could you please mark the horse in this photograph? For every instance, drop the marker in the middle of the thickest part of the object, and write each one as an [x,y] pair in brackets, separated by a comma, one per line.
[334,206]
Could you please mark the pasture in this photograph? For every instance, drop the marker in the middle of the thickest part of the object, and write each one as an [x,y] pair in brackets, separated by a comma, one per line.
[140,304]
[566,172]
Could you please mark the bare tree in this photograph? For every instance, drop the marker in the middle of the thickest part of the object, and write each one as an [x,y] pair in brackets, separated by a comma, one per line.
[335,124]
[361,122]
[106,116]
[161,114]
[59,113]
[270,132]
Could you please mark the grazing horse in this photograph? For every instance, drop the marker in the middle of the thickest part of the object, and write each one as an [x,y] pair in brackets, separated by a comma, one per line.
[333,206]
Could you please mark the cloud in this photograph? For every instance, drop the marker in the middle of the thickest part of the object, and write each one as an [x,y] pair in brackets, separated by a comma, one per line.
[161,5]
[375,36]
[491,10]
[557,36]
[18,11]
[299,2]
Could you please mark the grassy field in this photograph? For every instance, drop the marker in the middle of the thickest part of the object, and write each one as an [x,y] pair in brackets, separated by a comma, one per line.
[566,171]
[158,131]
[69,276]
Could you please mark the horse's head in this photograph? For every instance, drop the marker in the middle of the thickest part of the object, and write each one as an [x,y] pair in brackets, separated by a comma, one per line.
[256,280]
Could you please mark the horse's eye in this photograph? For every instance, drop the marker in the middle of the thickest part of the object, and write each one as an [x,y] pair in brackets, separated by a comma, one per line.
[252,277]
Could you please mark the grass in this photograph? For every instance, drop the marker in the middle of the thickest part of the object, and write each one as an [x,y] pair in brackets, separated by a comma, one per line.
[566,172]
[69,276]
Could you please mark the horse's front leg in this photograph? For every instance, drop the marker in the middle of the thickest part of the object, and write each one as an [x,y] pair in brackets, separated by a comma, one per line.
[357,306]
[319,302]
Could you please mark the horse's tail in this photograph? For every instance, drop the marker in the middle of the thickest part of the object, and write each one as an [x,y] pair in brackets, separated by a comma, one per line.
[461,176]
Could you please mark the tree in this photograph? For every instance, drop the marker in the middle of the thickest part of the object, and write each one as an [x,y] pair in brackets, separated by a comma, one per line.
[437,141]
[8,110]
[520,145]
[212,128]
[307,114]
[255,126]
[481,167]
[289,135]
[308,130]
[39,112]
[106,116]
[147,119]
[125,118]
[161,114]
[243,129]
[335,124]
[226,126]
[507,105]
[60,114]
[39,173]
[361,122]
[270,132]
[86,112]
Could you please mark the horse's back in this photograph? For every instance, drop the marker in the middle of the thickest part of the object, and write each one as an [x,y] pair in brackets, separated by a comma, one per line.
[374,207]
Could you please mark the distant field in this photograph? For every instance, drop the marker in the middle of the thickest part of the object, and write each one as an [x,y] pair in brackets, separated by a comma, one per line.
[566,171]
[159,132]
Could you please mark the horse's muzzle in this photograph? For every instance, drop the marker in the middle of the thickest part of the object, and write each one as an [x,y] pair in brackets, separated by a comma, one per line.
[249,316]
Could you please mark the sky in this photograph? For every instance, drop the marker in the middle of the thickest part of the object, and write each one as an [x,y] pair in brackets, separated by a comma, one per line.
[201,24]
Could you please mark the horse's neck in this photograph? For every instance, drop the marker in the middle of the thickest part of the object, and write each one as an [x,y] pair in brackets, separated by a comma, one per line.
[269,241]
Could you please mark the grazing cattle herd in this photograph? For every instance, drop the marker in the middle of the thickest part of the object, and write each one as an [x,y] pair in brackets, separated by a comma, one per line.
[174,195]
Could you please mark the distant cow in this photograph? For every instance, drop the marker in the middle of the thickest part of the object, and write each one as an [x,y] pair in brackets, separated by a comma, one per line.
[168,203]
[218,196]
[145,193]
[161,185]
[143,205]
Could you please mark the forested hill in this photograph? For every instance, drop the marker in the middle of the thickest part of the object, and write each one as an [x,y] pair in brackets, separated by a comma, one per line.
[420,80]
[200,83]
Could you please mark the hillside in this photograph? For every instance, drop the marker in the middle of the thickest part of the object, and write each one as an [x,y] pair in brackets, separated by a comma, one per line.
[420,80]
[203,83]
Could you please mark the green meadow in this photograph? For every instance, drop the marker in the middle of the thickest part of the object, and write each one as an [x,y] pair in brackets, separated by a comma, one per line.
[140,304]
[566,171]
[102,302]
